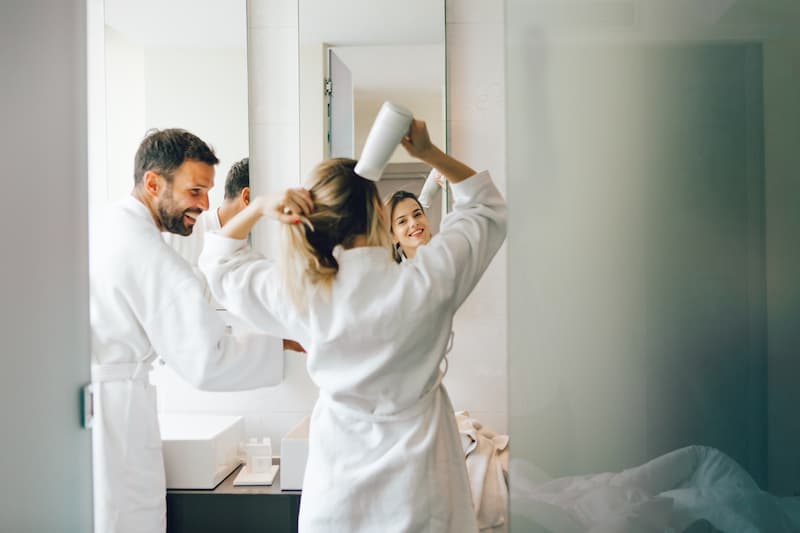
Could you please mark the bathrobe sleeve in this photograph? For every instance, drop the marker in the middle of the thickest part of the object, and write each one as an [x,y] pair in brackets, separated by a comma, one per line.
[189,335]
[244,282]
[209,358]
[452,263]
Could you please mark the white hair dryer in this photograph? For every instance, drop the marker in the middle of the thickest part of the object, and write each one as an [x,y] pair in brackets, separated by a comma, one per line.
[430,189]
[390,126]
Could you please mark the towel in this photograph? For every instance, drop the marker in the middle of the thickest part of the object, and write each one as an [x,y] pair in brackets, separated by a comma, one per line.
[486,455]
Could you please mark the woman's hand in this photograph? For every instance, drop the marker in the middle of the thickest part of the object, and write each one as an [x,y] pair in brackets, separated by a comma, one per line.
[418,142]
[293,346]
[287,207]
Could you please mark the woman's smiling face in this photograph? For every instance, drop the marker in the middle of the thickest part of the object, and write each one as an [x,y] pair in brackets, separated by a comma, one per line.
[410,226]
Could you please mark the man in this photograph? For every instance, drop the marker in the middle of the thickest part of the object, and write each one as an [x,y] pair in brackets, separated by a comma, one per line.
[237,196]
[147,303]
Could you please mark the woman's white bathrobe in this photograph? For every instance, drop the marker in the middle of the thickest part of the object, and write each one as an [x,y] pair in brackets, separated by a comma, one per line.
[145,302]
[384,449]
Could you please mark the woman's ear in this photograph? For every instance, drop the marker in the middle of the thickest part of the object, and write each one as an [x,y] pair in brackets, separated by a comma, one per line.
[245,196]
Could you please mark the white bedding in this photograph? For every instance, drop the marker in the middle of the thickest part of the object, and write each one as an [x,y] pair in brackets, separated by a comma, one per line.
[669,493]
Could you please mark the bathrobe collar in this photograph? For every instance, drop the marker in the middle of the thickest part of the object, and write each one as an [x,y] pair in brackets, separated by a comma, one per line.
[362,255]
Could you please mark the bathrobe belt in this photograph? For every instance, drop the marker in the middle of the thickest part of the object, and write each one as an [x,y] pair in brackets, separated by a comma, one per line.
[419,406]
[411,411]
[121,372]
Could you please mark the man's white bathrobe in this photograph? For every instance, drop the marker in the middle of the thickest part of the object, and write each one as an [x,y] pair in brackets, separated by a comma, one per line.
[384,449]
[190,246]
[146,302]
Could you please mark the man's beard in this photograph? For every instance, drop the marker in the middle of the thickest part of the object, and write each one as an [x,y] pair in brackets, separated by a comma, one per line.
[171,218]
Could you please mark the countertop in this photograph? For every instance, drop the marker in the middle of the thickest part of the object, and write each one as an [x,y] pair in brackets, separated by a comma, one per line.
[251,509]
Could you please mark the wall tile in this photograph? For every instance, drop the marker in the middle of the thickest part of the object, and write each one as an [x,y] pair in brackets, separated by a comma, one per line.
[476,70]
[477,369]
[490,297]
[480,143]
[295,394]
[273,75]
[271,13]
[275,153]
[480,12]
[273,425]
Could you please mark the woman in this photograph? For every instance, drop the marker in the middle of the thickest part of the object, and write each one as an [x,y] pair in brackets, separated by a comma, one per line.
[409,225]
[384,449]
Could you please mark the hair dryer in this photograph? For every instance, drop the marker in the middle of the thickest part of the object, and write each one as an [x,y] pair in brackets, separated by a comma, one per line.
[430,189]
[389,128]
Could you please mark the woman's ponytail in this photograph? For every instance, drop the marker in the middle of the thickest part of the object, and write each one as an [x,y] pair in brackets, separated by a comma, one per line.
[346,206]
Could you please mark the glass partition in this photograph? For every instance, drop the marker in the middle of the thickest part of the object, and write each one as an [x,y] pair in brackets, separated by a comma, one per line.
[652,261]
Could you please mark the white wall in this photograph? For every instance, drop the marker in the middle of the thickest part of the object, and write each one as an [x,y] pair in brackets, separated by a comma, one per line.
[477,379]
[477,376]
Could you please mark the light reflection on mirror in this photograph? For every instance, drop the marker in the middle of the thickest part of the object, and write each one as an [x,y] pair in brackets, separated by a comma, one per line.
[181,64]
[356,54]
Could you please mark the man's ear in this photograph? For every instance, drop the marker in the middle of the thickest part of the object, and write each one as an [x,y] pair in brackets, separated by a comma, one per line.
[153,182]
[244,195]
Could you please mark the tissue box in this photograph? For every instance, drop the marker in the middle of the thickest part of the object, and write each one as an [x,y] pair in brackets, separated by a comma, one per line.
[294,454]
[199,450]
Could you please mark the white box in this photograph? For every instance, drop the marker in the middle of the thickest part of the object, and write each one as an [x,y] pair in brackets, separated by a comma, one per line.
[199,450]
[294,454]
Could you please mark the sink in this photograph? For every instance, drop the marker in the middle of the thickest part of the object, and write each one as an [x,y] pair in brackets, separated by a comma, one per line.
[294,454]
[199,450]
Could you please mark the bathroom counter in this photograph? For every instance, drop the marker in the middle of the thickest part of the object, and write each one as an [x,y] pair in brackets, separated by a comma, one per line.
[255,509]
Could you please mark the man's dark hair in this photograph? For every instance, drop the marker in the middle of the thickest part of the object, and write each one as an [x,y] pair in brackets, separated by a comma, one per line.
[163,151]
[238,178]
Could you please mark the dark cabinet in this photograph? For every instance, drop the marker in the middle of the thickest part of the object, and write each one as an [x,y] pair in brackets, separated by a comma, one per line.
[233,509]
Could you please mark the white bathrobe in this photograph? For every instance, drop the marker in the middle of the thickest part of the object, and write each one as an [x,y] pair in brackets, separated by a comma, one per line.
[384,449]
[190,246]
[146,302]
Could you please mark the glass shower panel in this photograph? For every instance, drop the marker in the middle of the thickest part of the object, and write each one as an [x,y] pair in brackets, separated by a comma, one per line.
[651,204]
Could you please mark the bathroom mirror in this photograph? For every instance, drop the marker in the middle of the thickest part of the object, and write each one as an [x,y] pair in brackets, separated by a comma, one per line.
[356,54]
[180,63]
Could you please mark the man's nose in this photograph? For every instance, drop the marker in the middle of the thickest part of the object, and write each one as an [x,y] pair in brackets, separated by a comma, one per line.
[204,202]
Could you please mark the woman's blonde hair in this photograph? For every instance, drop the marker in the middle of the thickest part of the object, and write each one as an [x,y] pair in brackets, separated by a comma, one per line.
[346,206]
